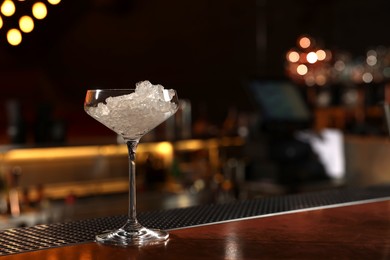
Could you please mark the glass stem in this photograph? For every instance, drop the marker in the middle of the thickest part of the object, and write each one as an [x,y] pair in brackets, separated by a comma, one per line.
[132,214]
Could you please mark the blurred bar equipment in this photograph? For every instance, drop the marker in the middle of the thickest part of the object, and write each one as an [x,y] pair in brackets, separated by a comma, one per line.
[386,108]
[16,129]
[183,119]
[14,200]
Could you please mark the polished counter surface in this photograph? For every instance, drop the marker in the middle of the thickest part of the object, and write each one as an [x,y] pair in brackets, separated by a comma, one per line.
[338,224]
[351,231]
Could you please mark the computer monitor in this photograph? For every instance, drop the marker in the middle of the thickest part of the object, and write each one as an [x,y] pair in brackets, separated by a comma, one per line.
[280,102]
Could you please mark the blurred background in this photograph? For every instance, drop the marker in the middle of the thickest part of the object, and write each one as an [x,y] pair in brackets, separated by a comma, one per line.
[276,98]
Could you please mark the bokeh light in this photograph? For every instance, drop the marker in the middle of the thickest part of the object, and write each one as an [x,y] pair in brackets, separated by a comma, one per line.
[310,81]
[321,55]
[26,24]
[367,77]
[302,69]
[293,56]
[14,37]
[311,57]
[304,42]
[54,2]
[8,8]
[371,59]
[25,19]
[320,80]
[310,64]
[39,10]
[339,65]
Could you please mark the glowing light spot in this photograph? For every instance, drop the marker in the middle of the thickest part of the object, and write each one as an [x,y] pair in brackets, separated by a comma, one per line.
[339,65]
[321,55]
[310,81]
[1,22]
[164,148]
[26,24]
[39,10]
[14,37]
[367,77]
[54,2]
[371,60]
[293,56]
[302,69]
[371,53]
[311,57]
[8,8]
[320,80]
[304,42]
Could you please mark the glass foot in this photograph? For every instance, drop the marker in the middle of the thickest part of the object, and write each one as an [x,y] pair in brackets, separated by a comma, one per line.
[142,236]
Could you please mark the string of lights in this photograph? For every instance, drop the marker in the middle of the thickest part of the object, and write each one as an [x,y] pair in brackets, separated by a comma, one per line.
[26,17]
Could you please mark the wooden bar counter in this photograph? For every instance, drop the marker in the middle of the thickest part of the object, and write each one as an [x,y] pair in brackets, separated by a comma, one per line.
[358,229]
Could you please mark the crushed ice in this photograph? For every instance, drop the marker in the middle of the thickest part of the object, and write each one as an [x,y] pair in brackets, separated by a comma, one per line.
[137,113]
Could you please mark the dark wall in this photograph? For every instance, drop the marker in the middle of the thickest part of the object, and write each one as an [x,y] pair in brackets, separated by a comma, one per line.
[201,48]
[204,49]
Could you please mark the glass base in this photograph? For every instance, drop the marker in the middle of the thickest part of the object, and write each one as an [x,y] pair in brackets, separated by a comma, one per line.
[140,237]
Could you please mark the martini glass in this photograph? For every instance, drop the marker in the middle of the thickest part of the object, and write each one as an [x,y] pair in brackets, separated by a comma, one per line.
[131,114]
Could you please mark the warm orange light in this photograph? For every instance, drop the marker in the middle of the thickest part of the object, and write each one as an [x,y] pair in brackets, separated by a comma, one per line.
[320,80]
[321,54]
[302,69]
[39,10]
[164,148]
[26,24]
[1,22]
[8,8]
[293,56]
[31,154]
[14,37]
[304,42]
[54,2]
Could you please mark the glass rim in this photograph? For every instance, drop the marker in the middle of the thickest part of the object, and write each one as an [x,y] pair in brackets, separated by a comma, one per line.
[110,89]
[121,89]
